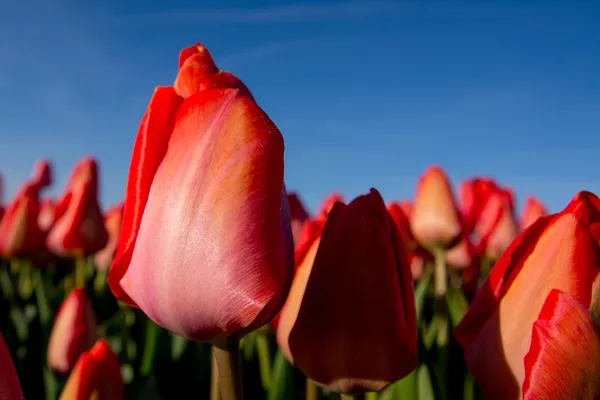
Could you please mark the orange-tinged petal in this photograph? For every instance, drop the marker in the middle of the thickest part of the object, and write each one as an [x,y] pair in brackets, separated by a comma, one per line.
[213,255]
[533,210]
[564,257]
[112,220]
[73,332]
[358,333]
[46,214]
[500,223]
[298,214]
[97,376]
[461,256]
[563,361]
[403,224]
[148,151]
[435,221]
[198,49]
[10,387]
[328,204]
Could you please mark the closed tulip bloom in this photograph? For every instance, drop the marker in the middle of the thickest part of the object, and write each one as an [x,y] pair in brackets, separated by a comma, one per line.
[46,214]
[78,227]
[97,376]
[534,209]
[401,220]
[112,221]
[20,234]
[462,256]
[407,207]
[435,221]
[10,387]
[73,332]
[355,334]
[42,172]
[498,225]
[563,361]
[206,248]
[298,214]
[328,203]
[555,252]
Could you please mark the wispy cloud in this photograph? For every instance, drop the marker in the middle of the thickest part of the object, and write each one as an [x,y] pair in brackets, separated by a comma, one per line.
[345,10]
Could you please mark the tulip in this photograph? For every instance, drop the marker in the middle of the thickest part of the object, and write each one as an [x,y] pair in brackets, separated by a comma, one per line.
[419,259]
[564,357]
[20,234]
[298,214]
[97,375]
[46,214]
[78,227]
[403,224]
[462,256]
[556,252]
[435,221]
[497,226]
[10,387]
[407,207]
[474,195]
[42,172]
[533,210]
[73,332]
[206,249]
[112,221]
[328,203]
[351,305]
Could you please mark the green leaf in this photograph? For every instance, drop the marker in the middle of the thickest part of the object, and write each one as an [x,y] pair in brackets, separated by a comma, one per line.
[150,341]
[19,322]
[264,360]
[282,387]
[42,299]
[405,388]
[457,305]
[178,346]
[425,387]
[6,284]
[421,291]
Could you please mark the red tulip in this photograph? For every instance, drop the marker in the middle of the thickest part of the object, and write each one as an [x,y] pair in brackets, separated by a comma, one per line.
[10,387]
[328,203]
[533,210]
[497,225]
[206,248]
[435,221]
[474,195]
[42,172]
[556,252]
[356,308]
[407,207]
[1,198]
[112,221]
[97,375]
[462,256]
[46,214]
[73,332]
[20,234]
[403,224]
[564,357]
[419,259]
[298,214]
[78,227]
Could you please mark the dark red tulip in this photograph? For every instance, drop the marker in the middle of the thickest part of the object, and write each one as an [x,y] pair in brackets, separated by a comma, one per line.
[10,387]
[206,252]
[298,214]
[354,306]
[328,203]
[97,376]
[42,172]
[73,331]
[78,227]
[556,252]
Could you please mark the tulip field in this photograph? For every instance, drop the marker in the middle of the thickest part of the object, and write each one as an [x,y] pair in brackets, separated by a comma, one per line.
[212,280]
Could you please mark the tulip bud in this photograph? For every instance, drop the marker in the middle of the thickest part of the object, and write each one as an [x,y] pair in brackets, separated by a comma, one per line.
[20,234]
[298,214]
[46,215]
[78,227]
[435,222]
[341,332]
[533,210]
[10,387]
[112,221]
[42,173]
[97,375]
[556,252]
[501,225]
[462,256]
[73,332]
[328,203]
[206,248]
[403,224]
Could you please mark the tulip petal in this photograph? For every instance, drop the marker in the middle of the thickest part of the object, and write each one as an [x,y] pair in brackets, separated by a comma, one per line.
[563,361]
[148,152]
[10,388]
[214,253]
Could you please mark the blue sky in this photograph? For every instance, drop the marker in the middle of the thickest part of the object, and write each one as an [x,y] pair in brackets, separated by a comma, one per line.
[366,94]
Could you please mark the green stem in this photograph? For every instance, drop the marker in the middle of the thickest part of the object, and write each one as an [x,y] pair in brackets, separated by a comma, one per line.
[371,396]
[79,271]
[100,280]
[345,396]
[15,265]
[312,390]
[150,342]
[440,280]
[264,360]
[214,380]
[230,372]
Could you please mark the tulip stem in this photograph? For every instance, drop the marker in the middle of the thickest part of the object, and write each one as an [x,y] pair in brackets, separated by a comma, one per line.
[312,390]
[230,373]
[214,380]
[345,396]
[79,271]
[440,282]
